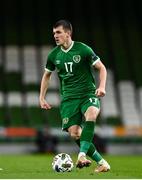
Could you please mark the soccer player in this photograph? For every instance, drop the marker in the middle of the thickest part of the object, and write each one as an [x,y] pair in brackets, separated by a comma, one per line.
[74,62]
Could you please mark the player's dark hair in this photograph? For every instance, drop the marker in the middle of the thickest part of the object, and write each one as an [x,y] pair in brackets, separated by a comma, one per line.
[64,23]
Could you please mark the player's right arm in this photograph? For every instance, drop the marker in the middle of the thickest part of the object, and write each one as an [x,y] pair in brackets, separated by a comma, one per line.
[43,90]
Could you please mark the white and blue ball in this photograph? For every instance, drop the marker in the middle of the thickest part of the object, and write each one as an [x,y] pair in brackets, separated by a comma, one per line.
[62,163]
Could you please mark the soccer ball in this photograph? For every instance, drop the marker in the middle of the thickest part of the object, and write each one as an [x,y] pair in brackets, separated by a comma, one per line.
[62,163]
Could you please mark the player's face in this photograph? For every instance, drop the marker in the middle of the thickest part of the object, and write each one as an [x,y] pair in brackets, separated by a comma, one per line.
[61,36]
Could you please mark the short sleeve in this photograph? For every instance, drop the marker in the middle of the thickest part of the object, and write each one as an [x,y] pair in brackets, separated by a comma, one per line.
[50,66]
[91,56]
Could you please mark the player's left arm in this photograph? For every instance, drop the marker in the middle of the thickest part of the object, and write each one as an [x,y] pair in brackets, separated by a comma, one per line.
[100,91]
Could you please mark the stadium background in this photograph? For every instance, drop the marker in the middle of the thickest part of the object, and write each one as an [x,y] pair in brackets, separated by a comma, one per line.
[112,28]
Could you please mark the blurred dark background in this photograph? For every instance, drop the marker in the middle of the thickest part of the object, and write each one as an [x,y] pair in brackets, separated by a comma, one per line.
[113,28]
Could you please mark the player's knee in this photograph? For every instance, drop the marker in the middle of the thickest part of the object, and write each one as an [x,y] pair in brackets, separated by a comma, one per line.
[75,135]
[91,113]
[91,118]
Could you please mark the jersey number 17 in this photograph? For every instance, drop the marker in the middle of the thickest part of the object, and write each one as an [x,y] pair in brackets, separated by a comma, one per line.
[68,66]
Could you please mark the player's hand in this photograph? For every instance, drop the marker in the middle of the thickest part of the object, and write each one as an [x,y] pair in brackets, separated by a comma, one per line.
[44,104]
[100,92]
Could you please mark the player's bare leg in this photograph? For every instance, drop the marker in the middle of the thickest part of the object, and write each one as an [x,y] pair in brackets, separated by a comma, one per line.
[82,161]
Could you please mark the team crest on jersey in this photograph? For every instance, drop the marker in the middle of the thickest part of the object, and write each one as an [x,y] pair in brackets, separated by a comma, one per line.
[76,58]
[65,120]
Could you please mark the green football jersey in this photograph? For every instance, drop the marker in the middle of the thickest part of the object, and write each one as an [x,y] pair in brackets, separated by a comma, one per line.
[74,68]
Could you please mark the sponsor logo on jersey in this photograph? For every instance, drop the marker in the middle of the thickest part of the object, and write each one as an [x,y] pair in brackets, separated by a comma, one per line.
[65,120]
[57,61]
[76,58]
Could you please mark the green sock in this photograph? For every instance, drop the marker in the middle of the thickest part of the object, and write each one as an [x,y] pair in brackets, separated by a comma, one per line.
[92,152]
[87,136]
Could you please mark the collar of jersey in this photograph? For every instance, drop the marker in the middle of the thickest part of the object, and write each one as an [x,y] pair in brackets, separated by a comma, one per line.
[66,50]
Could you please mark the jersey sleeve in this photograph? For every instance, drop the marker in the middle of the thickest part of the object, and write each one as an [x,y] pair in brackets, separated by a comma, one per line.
[92,57]
[50,66]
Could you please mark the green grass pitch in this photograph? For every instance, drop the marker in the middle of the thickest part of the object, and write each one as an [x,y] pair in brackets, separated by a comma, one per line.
[39,167]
